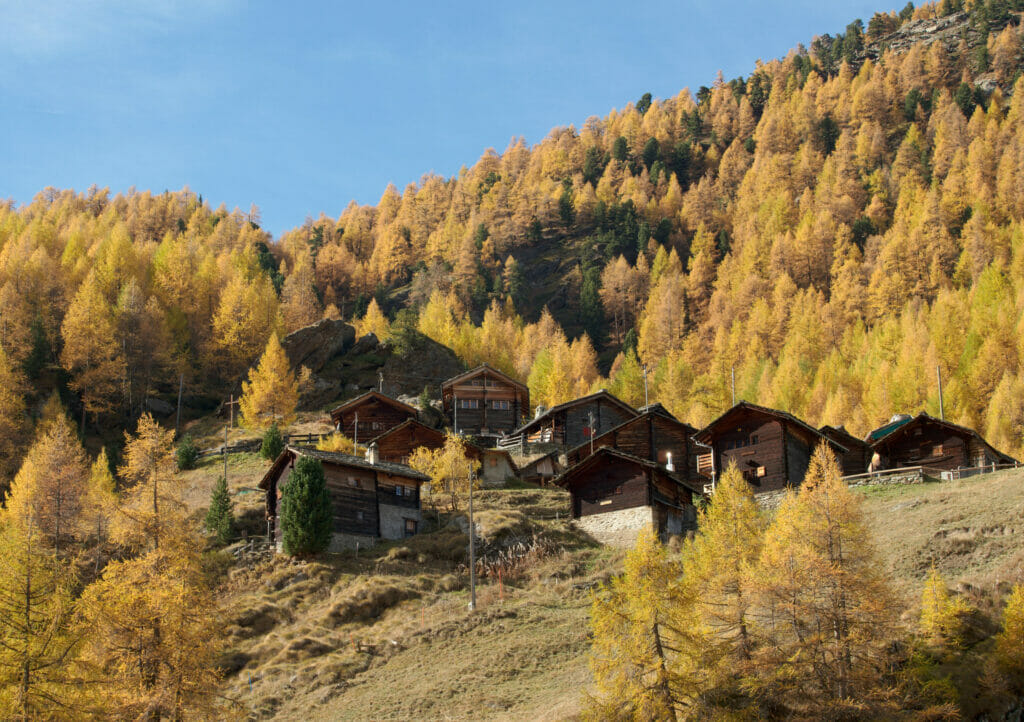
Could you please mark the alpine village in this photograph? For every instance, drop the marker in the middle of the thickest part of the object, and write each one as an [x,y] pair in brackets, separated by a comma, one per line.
[709,409]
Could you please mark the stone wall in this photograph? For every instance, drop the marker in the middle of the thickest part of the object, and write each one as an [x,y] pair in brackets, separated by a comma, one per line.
[347,542]
[617,528]
[392,520]
[771,499]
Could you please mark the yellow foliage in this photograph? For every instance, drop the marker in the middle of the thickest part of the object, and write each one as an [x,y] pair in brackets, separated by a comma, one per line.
[271,394]
[336,442]
[449,468]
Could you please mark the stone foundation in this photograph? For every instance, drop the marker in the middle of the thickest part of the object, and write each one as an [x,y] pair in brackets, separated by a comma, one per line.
[617,528]
[392,520]
[348,542]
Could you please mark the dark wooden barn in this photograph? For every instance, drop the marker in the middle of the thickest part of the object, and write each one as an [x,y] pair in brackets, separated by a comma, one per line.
[484,402]
[369,415]
[372,499]
[772,448]
[858,453]
[923,440]
[397,444]
[655,435]
[570,424]
[614,494]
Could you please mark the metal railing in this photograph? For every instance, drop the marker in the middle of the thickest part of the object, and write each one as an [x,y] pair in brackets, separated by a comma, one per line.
[883,473]
[969,471]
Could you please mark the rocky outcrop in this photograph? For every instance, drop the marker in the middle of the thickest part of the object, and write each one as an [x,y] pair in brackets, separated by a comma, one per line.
[342,366]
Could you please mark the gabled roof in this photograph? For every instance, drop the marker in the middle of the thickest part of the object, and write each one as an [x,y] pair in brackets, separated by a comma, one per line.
[887,429]
[481,369]
[645,412]
[602,394]
[704,435]
[922,417]
[407,422]
[372,395]
[606,451]
[843,436]
[339,459]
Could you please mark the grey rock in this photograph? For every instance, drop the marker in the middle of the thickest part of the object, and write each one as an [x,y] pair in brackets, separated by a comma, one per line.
[314,346]
[159,406]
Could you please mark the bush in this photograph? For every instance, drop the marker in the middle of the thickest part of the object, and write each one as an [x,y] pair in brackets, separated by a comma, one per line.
[306,515]
[220,518]
[273,443]
[187,454]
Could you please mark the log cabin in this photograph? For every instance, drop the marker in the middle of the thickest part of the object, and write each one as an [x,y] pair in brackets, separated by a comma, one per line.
[398,444]
[923,440]
[570,424]
[655,435]
[484,402]
[369,415]
[614,494]
[372,499]
[771,448]
[858,452]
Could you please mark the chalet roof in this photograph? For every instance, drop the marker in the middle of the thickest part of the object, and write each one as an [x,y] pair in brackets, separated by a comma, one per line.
[607,451]
[553,455]
[373,394]
[705,434]
[479,370]
[840,434]
[407,422]
[339,459]
[922,417]
[883,431]
[602,394]
[645,412]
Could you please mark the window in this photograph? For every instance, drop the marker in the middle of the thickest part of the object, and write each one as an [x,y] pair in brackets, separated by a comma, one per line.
[753,439]
[500,405]
[377,426]
[353,481]
[494,461]
[359,516]
[410,527]
[398,490]
[477,382]
[469,403]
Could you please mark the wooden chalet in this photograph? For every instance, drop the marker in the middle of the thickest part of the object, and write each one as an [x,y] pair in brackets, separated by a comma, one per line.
[771,448]
[570,424]
[614,494]
[372,499]
[858,453]
[484,402]
[398,444]
[655,435]
[369,415]
[542,469]
[923,440]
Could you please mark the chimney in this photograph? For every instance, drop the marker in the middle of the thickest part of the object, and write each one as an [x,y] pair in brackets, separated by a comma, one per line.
[371,453]
[541,410]
[669,466]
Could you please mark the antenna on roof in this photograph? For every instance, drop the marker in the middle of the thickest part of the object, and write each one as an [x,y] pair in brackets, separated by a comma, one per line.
[733,385]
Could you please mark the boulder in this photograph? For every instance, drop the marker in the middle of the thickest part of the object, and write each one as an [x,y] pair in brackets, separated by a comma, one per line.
[159,406]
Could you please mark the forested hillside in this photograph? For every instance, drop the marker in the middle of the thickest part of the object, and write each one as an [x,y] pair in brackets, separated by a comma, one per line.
[832,226]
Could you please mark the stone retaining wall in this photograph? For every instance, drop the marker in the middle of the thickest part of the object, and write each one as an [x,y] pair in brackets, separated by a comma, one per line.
[617,528]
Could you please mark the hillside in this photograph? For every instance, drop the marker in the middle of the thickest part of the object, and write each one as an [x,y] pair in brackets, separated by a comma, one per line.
[358,638]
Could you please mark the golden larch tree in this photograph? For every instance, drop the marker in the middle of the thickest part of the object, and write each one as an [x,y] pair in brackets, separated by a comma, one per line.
[271,394]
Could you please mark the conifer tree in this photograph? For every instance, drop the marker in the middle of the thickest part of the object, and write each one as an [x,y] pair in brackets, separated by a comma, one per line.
[100,505]
[306,516]
[220,518]
[272,444]
[152,511]
[186,454]
[639,625]
[941,622]
[271,394]
[12,416]
[374,321]
[1009,649]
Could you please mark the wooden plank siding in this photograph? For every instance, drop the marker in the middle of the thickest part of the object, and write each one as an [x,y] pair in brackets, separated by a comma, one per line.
[570,424]
[858,455]
[650,436]
[615,485]
[933,443]
[398,444]
[485,401]
[354,500]
[374,415]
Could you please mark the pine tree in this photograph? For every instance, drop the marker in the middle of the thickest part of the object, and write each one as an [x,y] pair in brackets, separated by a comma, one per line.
[272,444]
[1009,649]
[220,519]
[186,454]
[306,517]
[942,615]
[100,505]
[271,394]
[375,322]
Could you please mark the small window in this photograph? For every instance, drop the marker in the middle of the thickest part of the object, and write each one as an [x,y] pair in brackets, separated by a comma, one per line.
[410,527]
[398,491]
[477,382]
[753,439]
[494,461]
[359,515]
[378,426]
[353,481]
[500,405]
[469,404]
[409,491]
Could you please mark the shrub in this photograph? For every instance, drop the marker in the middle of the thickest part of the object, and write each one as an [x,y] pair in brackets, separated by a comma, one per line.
[220,518]
[273,443]
[187,454]
[306,513]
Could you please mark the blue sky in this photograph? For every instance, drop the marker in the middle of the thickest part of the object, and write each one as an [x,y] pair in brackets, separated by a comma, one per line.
[301,107]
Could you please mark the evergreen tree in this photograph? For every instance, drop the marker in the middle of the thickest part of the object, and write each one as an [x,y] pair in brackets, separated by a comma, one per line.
[272,444]
[186,454]
[306,515]
[220,519]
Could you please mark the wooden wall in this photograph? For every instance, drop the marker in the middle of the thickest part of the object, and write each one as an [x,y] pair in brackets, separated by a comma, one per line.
[399,445]
[931,445]
[398,491]
[487,391]
[354,498]
[651,437]
[757,442]
[619,484]
[375,417]
[571,422]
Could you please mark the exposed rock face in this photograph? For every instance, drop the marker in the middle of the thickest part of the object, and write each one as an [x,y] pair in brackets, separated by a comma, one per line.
[343,366]
[313,346]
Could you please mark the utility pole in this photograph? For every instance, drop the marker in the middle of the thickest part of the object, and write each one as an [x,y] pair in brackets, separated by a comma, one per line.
[590,415]
[646,402]
[472,548]
[177,421]
[225,450]
[938,373]
[380,375]
[733,385]
[355,435]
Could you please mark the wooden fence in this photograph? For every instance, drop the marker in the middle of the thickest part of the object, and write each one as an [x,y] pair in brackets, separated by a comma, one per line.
[249,446]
